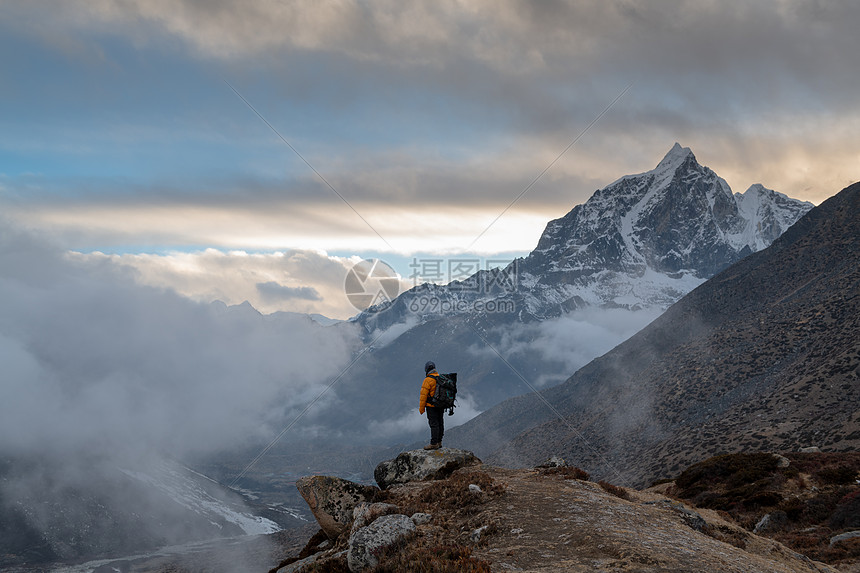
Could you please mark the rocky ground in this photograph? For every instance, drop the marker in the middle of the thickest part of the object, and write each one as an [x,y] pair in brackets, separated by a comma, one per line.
[809,501]
[553,519]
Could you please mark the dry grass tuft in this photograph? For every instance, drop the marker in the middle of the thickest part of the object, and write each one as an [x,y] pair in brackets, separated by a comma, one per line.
[566,472]
[614,490]
[420,558]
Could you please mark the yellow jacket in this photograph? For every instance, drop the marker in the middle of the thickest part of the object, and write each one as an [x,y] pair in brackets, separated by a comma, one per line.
[428,388]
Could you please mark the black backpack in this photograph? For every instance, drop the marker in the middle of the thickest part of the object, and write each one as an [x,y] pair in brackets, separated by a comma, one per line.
[446,390]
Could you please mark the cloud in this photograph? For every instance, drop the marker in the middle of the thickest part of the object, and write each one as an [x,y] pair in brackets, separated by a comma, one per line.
[565,344]
[272,291]
[406,109]
[295,281]
[105,378]
[97,362]
[410,425]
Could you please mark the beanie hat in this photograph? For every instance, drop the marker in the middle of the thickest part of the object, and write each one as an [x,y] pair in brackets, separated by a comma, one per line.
[429,366]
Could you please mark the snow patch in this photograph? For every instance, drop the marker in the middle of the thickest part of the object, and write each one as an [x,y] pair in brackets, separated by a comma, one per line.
[184,487]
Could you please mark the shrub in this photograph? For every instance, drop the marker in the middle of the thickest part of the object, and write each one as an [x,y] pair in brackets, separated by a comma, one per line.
[338,565]
[793,508]
[763,499]
[813,463]
[819,508]
[454,494]
[430,559]
[838,475]
[614,489]
[732,469]
[567,472]
[847,513]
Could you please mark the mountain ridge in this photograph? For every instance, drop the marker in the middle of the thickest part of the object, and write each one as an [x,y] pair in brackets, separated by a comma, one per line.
[775,327]
[643,240]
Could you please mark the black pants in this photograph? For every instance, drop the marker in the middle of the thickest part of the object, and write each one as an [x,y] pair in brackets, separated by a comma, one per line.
[436,419]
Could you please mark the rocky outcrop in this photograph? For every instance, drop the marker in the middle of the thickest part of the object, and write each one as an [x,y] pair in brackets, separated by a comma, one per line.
[366,513]
[422,465]
[771,522]
[366,542]
[844,537]
[539,521]
[332,501]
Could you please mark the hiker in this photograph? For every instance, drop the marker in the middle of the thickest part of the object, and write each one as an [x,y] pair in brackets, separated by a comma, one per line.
[435,416]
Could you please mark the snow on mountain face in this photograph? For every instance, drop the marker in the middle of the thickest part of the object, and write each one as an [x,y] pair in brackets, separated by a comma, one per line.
[768,214]
[650,238]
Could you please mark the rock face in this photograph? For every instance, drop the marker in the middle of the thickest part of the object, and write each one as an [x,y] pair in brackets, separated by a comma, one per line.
[366,542]
[656,234]
[332,501]
[421,465]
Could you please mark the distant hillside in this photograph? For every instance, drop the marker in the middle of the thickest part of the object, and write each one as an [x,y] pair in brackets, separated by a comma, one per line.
[766,355]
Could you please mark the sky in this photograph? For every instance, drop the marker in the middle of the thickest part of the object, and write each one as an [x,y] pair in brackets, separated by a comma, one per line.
[235,151]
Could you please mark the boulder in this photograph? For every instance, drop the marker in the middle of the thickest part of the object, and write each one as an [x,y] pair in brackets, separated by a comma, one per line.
[475,536]
[332,501]
[297,566]
[688,516]
[692,519]
[421,518]
[420,465]
[366,543]
[771,522]
[366,513]
[844,537]
[552,462]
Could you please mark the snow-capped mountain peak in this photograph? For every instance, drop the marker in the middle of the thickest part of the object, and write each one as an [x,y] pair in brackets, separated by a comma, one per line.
[768,214]
[674,158]
[643,240]
[649,238]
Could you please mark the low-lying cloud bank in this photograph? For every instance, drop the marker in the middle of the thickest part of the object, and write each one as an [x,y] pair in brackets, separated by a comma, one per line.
[105,378]
[94,360]
[566,343]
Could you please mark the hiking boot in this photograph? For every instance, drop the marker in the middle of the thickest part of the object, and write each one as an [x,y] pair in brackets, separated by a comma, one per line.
[431,447]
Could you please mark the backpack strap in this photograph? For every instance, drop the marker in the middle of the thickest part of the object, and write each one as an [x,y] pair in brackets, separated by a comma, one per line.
[432,394]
